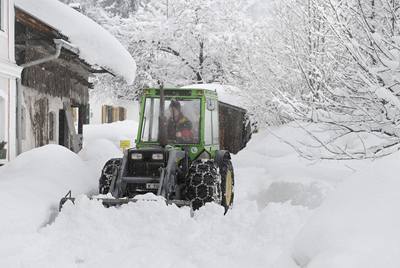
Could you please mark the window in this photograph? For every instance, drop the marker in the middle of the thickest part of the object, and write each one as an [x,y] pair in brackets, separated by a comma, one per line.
[211,135]
[182,121]
[111,114]
[215,121]
[150,120]
[208,127]
[122,113]
[52,126]
[75,118]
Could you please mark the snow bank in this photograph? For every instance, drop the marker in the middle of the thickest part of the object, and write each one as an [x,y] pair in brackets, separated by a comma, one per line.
[96,45]
[33,184]
[228,94]
[151,234]
[102,142]
[358,225]
[274,172]
[113,132]
[96,153]
[276,192]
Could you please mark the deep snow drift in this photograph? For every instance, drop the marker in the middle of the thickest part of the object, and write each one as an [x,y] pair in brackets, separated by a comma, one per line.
[30,185]
[277,193]
[358,225]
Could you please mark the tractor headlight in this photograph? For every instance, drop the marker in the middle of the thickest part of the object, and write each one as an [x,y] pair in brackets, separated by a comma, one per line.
[136,156]
[157,157]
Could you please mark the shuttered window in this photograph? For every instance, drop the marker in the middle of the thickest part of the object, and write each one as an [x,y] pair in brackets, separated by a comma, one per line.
[111,114]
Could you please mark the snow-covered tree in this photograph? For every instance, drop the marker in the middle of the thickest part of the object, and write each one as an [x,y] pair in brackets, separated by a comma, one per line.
[357,74]
[181,42]
[188,41]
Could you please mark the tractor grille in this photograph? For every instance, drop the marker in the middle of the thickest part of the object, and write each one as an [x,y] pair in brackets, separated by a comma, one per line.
[143,169]
[146,167]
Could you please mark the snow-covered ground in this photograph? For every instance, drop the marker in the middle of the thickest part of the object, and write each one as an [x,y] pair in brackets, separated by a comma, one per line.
[288,212]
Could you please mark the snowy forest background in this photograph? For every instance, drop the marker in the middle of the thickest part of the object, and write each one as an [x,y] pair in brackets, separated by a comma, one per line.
[335,62]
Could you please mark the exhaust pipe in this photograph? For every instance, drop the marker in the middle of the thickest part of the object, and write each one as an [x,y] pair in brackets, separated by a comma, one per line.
[162,122]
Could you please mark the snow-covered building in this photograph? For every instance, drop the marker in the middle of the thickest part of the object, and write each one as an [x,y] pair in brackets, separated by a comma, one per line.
[58,49]
[9,72]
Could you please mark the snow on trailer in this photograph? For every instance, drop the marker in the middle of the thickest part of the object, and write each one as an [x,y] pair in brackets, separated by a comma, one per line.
[96,45]
[226,93]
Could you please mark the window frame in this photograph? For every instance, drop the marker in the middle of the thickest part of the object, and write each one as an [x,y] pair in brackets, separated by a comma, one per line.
[141,130]
[208,131]
[213,127]
[215,123]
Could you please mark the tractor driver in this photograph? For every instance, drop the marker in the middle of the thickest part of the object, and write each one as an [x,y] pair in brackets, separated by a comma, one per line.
[180,128]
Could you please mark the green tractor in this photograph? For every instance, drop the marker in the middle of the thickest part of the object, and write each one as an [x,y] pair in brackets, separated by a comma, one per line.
[182,151]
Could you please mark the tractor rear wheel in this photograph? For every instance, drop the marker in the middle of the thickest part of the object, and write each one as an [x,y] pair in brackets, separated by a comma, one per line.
[227,183]
[204,183]
[108,173]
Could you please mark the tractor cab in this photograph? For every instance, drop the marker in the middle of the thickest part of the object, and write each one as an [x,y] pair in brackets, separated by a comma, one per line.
[187,119]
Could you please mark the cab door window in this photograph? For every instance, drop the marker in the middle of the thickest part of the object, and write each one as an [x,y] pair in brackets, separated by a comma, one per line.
[215,123]
[211,135]
[208,126]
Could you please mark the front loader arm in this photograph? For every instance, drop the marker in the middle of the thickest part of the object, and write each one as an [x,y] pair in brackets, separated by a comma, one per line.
[169,180]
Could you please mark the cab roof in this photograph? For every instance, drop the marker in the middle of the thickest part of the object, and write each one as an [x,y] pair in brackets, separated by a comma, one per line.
[180,92]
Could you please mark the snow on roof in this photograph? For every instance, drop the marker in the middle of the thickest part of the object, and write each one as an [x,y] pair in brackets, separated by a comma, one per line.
[226,93]
[96,45]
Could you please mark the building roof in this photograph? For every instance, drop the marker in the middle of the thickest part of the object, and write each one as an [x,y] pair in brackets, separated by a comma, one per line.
[96,45]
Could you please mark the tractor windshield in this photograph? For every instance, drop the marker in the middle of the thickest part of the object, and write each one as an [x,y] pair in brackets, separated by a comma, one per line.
[182,119]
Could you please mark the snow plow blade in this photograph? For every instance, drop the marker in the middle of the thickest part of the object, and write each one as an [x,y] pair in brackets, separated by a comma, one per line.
[112,202]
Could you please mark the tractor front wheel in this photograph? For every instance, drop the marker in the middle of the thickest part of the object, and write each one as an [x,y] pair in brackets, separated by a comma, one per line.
[204,183]
[227,183]
[108,173]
